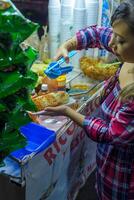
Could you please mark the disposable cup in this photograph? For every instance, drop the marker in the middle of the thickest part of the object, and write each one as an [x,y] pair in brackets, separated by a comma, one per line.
[53,32]
[53,38]
[53,3]
[66,31]
[54,20]
[90,52]
[92,13]
[54,11]
[76,58]
[79,15]
[91,1]
[80,4]
[53,45]
[77,27]
[79,19]
[92,6]
[66,2]
[54,28]
[92,19]
[66,11]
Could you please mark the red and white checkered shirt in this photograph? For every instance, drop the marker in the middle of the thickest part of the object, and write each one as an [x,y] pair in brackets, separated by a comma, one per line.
[112,129]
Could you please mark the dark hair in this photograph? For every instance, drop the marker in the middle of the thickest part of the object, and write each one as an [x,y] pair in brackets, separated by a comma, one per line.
[125,12]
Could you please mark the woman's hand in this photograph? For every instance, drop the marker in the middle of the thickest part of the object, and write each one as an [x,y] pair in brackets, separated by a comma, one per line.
[53,111]
[62,52]
[62,110]
[67,46]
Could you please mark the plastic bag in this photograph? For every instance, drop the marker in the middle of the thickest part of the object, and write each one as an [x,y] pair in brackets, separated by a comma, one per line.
[15,83]
[14,29]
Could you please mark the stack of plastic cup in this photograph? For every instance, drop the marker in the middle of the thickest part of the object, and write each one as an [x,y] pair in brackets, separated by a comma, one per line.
[66,30]
[79,22]
[92,12]
[92,18]
[53,45]
[66,9]
[79,15]
[54,14]
[66,22]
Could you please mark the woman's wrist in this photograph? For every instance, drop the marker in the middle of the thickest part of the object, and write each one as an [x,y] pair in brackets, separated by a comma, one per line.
[70,44]
[73,115]
[67,111]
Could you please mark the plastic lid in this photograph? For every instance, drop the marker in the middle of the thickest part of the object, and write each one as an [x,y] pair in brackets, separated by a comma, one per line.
[44,87]
[61,78]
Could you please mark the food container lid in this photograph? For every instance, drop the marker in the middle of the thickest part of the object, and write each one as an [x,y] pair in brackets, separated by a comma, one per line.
[61,78]
[44,87]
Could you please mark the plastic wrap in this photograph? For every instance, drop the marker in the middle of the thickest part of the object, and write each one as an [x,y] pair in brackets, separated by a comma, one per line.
[16,79]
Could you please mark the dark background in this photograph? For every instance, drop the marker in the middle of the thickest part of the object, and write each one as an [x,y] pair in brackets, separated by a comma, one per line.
[35,10]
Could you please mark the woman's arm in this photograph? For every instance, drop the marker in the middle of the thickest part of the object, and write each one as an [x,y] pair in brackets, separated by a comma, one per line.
[120,130]
[67,46]
[75,116]
[94,37]
[90,37]
[61,110]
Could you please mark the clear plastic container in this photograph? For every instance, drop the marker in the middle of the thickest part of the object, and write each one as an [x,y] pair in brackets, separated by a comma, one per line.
[52,84]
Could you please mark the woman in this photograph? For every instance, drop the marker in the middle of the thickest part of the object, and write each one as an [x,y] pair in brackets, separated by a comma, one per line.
[113,128]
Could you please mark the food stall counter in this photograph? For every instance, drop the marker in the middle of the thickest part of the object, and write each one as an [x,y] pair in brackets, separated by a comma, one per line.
[61,169]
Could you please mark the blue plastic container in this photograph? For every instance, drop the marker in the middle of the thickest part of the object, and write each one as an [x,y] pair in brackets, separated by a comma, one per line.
[38,138]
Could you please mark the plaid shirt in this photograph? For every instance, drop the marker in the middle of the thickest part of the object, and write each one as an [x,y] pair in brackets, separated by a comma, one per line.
[112,129]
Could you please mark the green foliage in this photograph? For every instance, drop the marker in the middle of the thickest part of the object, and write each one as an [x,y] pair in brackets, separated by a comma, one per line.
[15,84]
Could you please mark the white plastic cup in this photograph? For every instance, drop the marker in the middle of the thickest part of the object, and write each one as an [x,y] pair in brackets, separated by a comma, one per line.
[54,13]
[92,13]
[53,45]
[66,2]
[54,3]
[75,60]
[66,30]
[54,20]
[53,49]
[91,1]
[90,52]
[79,22]
[79,19]
[80,4]
[66,11]
[79,15]
[54,27]
[92,19]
